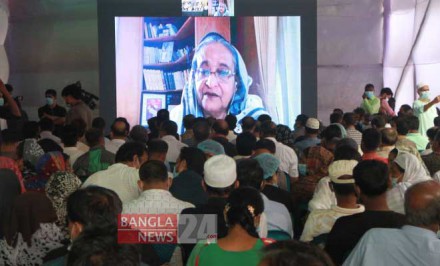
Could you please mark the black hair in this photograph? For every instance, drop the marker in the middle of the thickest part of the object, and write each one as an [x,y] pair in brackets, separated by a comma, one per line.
[264,118]
[343,189]
[372,177]
[243,205]
[406,109]
[139,133]
[378,121]
[346,152]
[437,121]
[128,150]
[369,86]
[311,131]
[246,143]
[349,119]
[170,128]
[30,130]
[386,91]
[120,132]
[9,87]
[157,146]
[188,121]
[248,123]
[268,129]
[10,136]
[294,253]
[202,130]
[69,136]
[338,110]
[432,132]
[392,103]
[413,122]
[51,92]
[359,111]
[402,126]
[331,132]
[98,123]
[162,115]
[335,118]
[250,173]
[266,144]
[93,136]
[46,124]
[94,207]
[195,159]
[221,127]
[80,125]
[232,121]
[49,145]
[73,90]
[153,171]
[389,136]
[371,138]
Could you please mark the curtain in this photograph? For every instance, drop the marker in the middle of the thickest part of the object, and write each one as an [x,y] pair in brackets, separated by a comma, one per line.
[4,24]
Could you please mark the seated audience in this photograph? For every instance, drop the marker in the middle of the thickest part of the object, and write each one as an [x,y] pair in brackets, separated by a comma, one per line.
[405,171]
[46,130]
[211,148]
[168,133]
[277,217]
[96,159]
[292,252]
[414,244]
[270,164]
[311,138]
[187,184]
[123,176]
[202,131]
[139,134]
[431,136]
[219,181]
[320,222]
[388,142]
[220,134]
[378,122]
[285,135]
[372,181]
[188,136]
[246,143]
[49,145]
[118,134]
[300,126]
[414,135]
[232,124]
[31,232]
[241,245]
[81,126]
[405,110]
[349,122]
[155,197]
[371,139]
[48,164]
[264,146]
[69,137]
[432,161]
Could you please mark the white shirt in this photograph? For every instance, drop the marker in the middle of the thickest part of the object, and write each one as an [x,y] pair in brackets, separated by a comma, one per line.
[83,147]
[231,136]
[277,216]
[74,153]
[114,145]
[396,197]
[323,198]
[155,201]
[49,135]
[409,245]
[174,147]
[287,157]
[321,221]
[120,178]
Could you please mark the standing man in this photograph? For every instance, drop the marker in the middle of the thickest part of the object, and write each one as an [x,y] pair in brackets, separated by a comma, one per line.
[424,108]
[52,110]
[370,103]
[72,95]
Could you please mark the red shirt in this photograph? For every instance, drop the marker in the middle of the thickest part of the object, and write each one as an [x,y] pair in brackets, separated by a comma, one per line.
[374,156]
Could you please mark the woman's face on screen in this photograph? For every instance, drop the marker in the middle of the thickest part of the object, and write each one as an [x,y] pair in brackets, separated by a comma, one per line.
[214,78]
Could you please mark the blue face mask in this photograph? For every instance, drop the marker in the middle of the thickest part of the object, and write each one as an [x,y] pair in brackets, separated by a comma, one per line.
[424,95]
[369,94]
[394,181]
[2,101]
[175,173]
[49,100]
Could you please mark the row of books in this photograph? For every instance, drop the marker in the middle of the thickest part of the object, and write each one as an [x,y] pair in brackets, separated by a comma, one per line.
[158,80]
[165,54]
[159,30]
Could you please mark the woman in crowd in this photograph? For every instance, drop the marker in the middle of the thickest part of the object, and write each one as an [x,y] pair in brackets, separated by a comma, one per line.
[47,165]
[405,171]
[241,246]
[31,232]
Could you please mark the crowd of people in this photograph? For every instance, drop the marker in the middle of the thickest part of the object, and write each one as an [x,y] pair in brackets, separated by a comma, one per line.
[363,190]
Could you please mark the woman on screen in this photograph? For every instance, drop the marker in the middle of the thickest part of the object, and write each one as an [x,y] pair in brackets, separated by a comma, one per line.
[222,10]
[218,84]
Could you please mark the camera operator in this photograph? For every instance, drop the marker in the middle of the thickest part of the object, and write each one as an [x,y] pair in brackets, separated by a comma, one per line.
[72,95]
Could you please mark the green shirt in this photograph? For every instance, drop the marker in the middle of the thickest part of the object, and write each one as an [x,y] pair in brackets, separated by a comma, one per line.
[420,141]
[426,118]
[213,255]
[371,106]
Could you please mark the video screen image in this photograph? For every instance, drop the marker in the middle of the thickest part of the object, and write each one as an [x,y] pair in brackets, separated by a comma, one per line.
[212,8]
[208,66]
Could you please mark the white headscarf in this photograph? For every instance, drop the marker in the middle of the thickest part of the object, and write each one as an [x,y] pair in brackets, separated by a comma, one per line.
[414,171]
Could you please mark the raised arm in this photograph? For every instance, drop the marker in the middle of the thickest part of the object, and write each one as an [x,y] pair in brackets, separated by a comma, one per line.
[13,107]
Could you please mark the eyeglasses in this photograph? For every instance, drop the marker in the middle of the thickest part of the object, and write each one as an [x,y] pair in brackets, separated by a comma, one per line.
[220,74]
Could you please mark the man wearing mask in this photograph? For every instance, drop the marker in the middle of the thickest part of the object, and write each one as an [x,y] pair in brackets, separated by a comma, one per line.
[370,103]
[424,108]
[52,110]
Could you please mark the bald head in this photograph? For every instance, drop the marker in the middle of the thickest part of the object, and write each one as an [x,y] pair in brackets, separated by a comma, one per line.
[422,204]
[119,129]
[221,127]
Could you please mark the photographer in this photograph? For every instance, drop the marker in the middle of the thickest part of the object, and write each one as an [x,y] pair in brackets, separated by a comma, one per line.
[72,95]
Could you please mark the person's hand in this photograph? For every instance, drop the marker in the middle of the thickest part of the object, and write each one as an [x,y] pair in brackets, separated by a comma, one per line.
[437,99]
[364,96]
